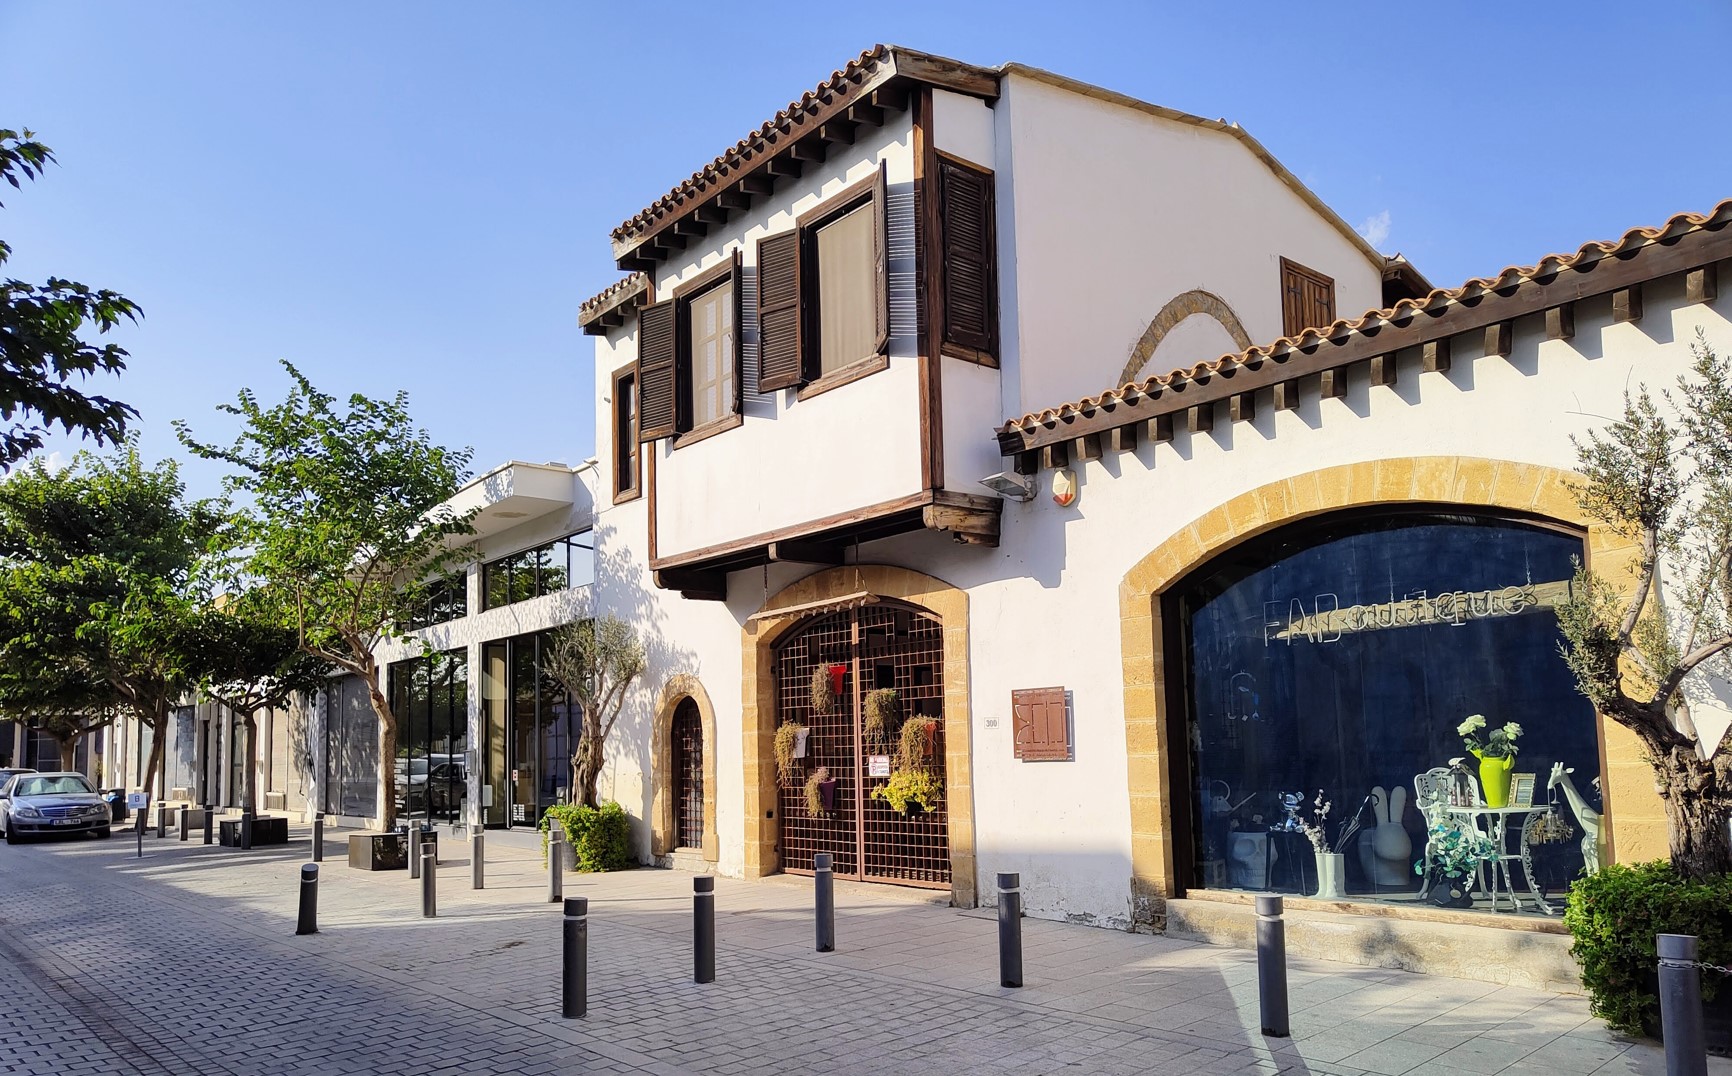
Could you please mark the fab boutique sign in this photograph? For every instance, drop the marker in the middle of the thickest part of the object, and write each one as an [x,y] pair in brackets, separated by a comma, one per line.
[1323,619]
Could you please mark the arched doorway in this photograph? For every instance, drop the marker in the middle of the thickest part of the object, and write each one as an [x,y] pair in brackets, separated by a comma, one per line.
[688,744]
[825,669]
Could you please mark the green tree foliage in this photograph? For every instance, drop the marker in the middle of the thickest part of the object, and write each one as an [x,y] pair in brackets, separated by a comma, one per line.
[98,592]
[41,348]
[595,661]
[1661,477]
[344,527]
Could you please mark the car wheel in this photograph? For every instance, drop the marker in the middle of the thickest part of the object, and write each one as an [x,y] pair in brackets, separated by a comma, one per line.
[102,834]
[13,836]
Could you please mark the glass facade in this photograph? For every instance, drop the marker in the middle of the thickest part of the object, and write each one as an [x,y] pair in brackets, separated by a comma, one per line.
[563,564]
[1338,660]
[530,728]
[430,696]
[351,749]
[446,599]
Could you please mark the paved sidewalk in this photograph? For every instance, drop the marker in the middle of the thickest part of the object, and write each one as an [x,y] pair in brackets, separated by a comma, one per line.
[186,962]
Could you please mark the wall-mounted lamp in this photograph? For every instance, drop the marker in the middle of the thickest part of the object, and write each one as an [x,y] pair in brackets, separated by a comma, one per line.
[1015,486]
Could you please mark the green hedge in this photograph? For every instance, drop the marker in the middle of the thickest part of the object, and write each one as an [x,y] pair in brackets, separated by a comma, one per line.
[1614,916]
[601,835]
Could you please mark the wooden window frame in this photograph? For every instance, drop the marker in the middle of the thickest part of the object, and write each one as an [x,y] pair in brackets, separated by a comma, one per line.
[728,271]
[870,190]
[626,375]
[1291,268]
[989,356]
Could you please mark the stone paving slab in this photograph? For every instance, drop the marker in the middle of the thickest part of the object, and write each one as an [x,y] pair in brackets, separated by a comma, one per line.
[186,961]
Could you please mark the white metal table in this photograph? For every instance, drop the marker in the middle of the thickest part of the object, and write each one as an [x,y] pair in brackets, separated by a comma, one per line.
[1502,882]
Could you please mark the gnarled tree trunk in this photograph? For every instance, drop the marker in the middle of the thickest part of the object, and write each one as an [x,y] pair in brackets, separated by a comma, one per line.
[68,750]
[387,751]
[1698,799]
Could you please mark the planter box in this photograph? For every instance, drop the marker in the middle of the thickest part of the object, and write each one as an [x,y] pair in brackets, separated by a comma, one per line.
[267,829]
[377,852]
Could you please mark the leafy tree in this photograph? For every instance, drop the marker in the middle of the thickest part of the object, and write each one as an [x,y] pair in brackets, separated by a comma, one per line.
[40,345]
[1662,479]
[595,661]
[345,527]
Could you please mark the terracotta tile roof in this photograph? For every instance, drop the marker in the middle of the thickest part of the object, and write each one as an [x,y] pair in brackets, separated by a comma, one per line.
[761,140]
[615,294]
[1502,282]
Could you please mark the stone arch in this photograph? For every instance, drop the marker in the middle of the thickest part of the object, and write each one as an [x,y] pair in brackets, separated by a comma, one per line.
[679,687]
[1178,308]
[758,703]
[1534,489]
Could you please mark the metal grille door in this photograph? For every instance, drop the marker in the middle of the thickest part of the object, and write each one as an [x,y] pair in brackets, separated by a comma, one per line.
[885,645]
[688,739]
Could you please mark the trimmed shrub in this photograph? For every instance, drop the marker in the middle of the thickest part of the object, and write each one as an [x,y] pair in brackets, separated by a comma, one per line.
[600,836]
[1614,916]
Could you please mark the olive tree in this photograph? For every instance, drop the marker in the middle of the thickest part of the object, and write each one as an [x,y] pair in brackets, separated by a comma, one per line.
[595,661]
[1661,477]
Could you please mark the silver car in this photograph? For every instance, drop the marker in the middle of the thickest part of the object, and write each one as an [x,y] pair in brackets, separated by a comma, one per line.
[37,803]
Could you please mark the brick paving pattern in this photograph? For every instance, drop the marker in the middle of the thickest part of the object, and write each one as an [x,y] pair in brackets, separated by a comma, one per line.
[186,962]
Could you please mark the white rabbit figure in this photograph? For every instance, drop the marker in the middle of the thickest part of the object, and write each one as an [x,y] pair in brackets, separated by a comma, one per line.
[1386,852]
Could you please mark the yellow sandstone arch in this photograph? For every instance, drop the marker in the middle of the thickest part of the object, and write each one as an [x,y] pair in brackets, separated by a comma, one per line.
[679,687]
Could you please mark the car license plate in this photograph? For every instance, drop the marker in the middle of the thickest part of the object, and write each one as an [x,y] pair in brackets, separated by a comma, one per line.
[63,821]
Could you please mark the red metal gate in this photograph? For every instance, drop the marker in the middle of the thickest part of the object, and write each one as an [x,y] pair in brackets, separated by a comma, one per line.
[885,645]
[688,740]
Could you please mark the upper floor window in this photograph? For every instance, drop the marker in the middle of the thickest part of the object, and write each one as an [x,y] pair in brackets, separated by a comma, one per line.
[1307,299]
[689,358]
[563,564]
[444,599]
[713,354]
[626,468]
[967,261]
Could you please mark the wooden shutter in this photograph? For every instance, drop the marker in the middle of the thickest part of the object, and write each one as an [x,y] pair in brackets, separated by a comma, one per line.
[1042,728]
[967,251]
[656,357]
[1307,299]
[779,311]
[737,282]
[880,256]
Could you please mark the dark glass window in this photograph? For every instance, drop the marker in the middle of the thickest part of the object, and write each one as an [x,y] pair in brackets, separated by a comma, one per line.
[562,564]
[430,696]
[445,599]
[1343,657]
[351,749]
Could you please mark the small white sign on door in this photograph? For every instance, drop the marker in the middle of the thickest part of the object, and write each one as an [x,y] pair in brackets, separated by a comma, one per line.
[878,765]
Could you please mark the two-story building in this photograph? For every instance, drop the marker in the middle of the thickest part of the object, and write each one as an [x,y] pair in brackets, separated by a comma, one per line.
[1281,558]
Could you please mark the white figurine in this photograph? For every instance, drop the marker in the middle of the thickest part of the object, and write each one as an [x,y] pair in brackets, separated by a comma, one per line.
[1586,816]
[1386,852]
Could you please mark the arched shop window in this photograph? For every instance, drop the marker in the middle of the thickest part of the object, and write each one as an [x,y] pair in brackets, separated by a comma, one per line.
[1341,657]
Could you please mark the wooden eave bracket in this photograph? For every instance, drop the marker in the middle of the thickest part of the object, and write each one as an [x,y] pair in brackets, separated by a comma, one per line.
[969,524]
[694,585]
[615,312]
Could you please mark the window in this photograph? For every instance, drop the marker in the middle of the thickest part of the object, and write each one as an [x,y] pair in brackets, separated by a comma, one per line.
[823,307]
[1307,299]
[689,375]
[626,484]
[967,262]
[444,599]
[565,564]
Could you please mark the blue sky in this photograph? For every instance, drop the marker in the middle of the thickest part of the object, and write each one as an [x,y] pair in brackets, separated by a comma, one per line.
[418,196]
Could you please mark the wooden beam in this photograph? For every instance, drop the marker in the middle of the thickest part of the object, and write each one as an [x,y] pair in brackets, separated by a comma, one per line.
[784,166]
[1701,285]
[1026,463]
[1287,395]
[811,150]
[1561,322]
[838,131]
[1434,356]
[758,183]
[800,552]
[1333,383]
[690,227]
[714,213]
[1055,455]
[1627,304]
[1383,369]
[861,112]
[733,200]
[1087,447]
[1499,337]
[971,526]
[1123,438]
[891,98]
[1242,407]
[695,585]
[1160,428]
[1201,418]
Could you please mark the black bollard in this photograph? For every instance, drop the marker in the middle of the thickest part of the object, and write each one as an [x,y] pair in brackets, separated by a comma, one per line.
[184,820]
[162,818]
[824,891]
[209,815]
[138,830]
[704,929]
[555,868]
[1272,967]
[478,860]
[412,841]
[318,837]
[247,829]
[1009,929]
[308,921]
[429,883]
[575,995]
[1681,1006]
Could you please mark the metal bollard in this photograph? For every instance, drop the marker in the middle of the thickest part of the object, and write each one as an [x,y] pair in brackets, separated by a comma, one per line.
[184,820]
[318,837]
[704,929]
[208,816]
[555,870]
[308,921]
[575,993]
[247,830]
[1009,929]
[1272,967]
[429,883]
[824,891]
[162,818]
[412,841]
[1681,1006]
[478,860]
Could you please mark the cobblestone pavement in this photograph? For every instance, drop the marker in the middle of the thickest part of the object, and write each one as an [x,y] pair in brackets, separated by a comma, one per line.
[186,962]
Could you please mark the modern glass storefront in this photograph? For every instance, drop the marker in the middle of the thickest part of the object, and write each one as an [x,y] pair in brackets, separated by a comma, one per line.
[351,749]
[1338,661]
[430,697]
[530,726]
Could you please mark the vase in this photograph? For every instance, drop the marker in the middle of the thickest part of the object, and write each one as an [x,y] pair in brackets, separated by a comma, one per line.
[1331,876]
[1494,774]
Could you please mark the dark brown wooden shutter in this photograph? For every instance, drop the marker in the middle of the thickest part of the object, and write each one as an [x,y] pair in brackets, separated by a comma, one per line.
[737,282]
[779,311]
[967,268]
[1307,299]
[1042,730]
[656,356]
[880,255]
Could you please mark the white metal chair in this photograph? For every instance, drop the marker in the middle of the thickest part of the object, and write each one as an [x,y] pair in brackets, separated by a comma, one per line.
[1431,799]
